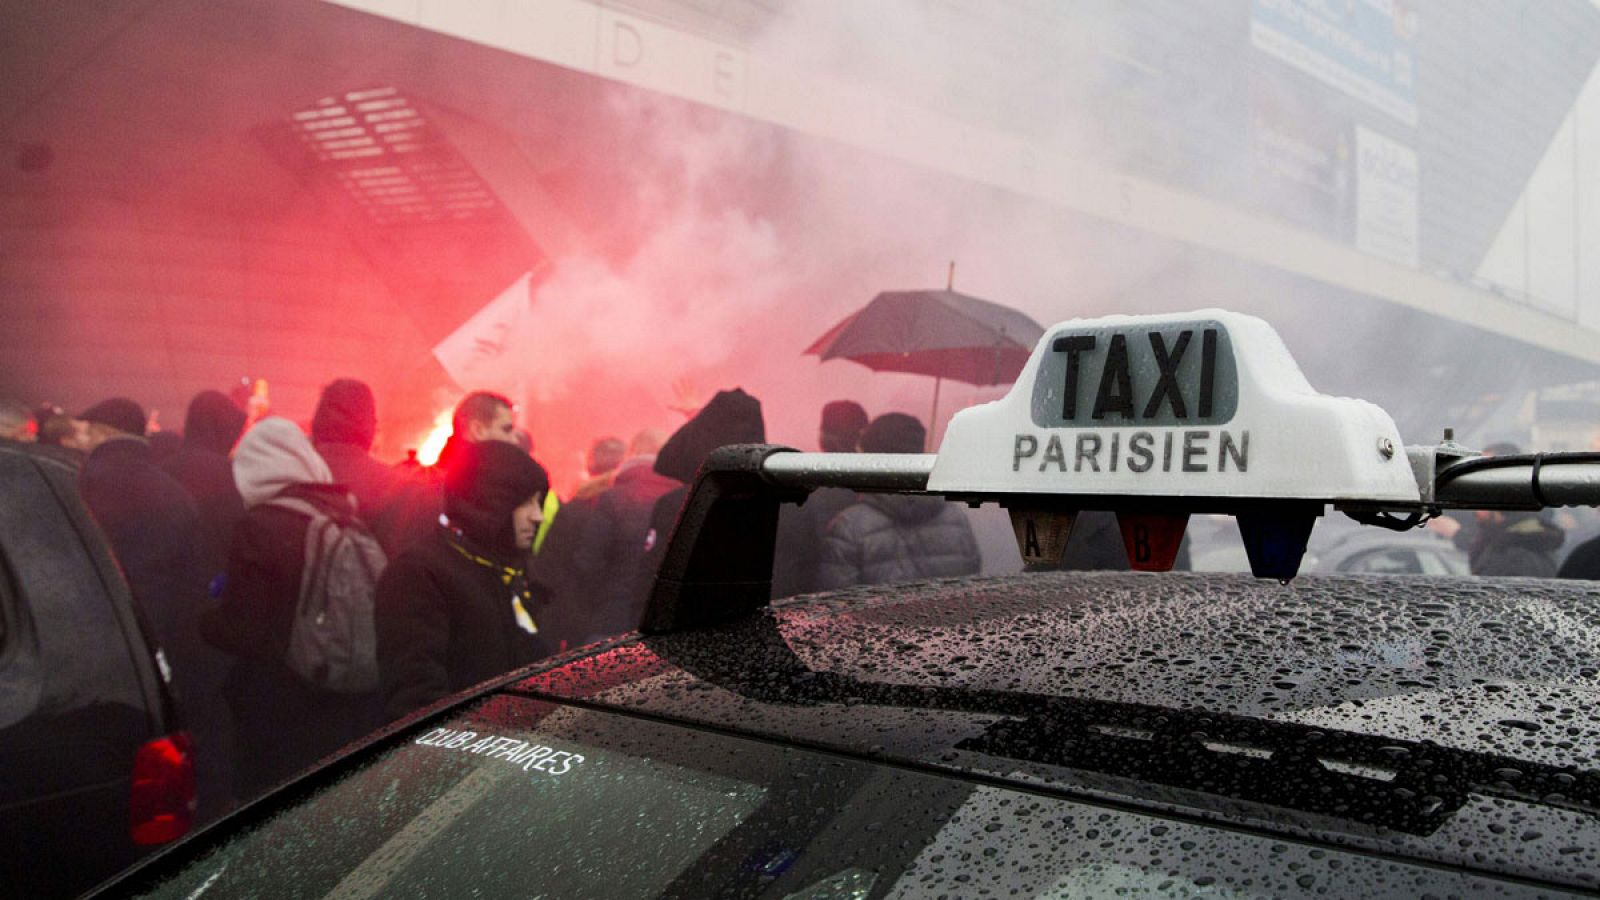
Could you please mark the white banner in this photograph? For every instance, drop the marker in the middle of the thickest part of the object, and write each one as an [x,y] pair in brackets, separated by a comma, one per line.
[481,354]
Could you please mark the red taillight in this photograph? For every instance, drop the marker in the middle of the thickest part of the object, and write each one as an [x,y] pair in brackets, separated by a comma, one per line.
[162,807]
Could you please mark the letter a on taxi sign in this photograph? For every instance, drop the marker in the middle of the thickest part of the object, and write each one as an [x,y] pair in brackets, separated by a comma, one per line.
[1041,535]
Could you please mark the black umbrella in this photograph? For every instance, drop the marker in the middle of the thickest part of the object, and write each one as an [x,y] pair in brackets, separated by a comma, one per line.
[934,332]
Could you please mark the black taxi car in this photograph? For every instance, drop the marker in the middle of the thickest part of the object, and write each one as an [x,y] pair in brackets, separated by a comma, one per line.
[95,769]
[1049,734]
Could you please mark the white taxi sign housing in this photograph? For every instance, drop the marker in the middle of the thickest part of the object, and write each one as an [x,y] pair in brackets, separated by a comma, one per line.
[1202,404]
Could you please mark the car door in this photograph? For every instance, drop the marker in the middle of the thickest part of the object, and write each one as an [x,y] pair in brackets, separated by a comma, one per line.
[79,694]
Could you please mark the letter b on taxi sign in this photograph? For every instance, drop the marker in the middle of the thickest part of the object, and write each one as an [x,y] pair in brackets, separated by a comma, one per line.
[1152,539]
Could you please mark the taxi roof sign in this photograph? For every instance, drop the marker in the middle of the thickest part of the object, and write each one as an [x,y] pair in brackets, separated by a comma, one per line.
[1152,417]
[1207,404]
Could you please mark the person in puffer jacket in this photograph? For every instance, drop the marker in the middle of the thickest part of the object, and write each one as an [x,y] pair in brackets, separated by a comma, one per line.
[885,538]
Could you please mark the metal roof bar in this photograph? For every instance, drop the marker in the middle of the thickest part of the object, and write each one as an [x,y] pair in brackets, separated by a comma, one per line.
[1524,481]
[717,564]
[857,471]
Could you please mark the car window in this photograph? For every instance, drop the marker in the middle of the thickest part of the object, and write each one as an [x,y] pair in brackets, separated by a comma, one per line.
[22,676]
[8,612]
[1391,561]
[18,671]
[519,794]
[84,651]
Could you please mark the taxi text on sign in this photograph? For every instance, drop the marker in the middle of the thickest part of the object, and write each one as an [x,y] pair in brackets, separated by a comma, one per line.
[1208,404]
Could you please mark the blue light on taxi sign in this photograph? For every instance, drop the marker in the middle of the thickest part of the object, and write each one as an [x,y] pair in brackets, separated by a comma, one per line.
[1275,540]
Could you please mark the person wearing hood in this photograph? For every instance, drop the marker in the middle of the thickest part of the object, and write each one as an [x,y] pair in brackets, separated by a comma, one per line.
[732,417]
[398,509]
[458,607]
[885,538]
[282,723]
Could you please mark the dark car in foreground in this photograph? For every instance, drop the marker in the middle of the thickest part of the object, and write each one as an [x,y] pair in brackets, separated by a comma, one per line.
[1045,735]
[1037,735]
[94,770]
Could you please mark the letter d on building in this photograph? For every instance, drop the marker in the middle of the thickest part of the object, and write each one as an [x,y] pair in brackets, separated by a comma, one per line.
[627,48]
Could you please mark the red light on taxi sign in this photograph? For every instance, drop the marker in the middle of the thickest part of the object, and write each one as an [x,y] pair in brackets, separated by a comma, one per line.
[1152,539]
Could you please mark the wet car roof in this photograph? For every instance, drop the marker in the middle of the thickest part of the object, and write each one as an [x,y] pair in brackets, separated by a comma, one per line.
[1444,719]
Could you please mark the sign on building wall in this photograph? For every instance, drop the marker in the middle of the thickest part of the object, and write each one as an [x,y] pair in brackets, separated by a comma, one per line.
[1361,47]
[1301,158]
[1387,180]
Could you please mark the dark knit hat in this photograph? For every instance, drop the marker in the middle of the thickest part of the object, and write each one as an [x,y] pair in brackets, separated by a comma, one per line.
[894,433]
[346,414]
[732,417]
[844,417]
[213,423]
[485,482]
[842,424]
[120,413]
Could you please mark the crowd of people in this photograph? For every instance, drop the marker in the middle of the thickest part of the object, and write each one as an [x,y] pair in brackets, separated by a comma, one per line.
[306,593]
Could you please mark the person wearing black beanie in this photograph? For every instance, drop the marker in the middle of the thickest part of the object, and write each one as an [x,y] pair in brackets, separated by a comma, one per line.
[202,466]
[458,608]
[399,509]
[347,413]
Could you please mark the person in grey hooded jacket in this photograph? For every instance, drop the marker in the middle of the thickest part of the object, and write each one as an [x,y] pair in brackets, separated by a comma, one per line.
[282,724]
[885,538]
